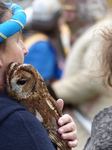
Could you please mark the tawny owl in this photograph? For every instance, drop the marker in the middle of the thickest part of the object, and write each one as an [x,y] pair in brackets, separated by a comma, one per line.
[25,85]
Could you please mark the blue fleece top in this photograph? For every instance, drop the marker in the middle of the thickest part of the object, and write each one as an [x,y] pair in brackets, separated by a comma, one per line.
[43,57]
[19,129]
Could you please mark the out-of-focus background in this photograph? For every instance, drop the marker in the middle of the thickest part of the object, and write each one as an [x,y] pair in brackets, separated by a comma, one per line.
[73,40]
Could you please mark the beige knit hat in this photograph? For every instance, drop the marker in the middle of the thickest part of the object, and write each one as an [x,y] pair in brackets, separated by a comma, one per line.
[43,10]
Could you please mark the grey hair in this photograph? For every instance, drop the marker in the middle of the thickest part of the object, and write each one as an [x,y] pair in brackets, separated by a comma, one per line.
[92,10]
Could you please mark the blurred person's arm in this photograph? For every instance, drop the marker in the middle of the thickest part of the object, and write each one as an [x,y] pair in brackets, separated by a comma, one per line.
[76,89]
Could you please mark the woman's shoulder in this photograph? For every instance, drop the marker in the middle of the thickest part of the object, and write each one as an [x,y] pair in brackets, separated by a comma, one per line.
[102,121]
[9,108]
[103,114]
[17,124]
[13,111]
[101,134]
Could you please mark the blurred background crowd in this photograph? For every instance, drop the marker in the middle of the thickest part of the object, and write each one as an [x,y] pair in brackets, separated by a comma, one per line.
[64,46]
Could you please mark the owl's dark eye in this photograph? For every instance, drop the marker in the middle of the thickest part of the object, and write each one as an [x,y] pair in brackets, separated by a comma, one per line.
[21,82]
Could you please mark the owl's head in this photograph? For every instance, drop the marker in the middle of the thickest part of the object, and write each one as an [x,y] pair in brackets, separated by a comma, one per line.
[22,80]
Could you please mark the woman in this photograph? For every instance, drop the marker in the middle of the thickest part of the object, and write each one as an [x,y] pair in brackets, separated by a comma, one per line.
[18,128]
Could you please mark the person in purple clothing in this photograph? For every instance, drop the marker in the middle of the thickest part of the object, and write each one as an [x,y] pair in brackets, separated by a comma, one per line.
[19,129]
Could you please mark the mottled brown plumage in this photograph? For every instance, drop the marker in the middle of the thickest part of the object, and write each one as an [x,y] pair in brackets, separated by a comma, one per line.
[26,86]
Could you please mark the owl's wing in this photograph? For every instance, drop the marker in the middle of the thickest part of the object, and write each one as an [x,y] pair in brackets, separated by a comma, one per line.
[54,106]
[56,138]
[52,130]
[52,126]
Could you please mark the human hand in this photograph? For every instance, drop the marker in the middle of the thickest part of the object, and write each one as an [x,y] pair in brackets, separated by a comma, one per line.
[67,128]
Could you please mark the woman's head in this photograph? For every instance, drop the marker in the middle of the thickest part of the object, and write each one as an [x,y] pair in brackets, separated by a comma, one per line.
[12,49]
[14,40]
[5,16]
